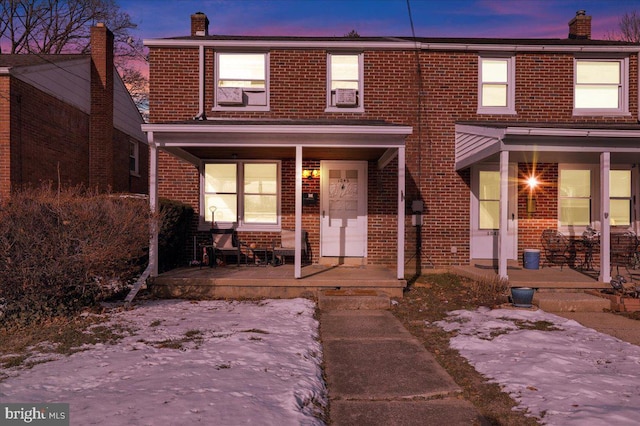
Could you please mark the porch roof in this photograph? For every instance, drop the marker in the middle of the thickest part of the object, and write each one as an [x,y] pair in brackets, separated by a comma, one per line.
[549,142]
[268,138]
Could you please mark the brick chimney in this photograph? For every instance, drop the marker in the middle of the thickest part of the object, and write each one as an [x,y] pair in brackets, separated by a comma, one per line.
[199,25]
[580,26]
[101,121]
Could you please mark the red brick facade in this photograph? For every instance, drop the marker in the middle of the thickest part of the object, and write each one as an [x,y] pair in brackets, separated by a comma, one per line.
[46,139]
[430,90]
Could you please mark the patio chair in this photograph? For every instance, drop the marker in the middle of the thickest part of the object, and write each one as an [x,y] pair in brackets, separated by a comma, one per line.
[623,251]
[225,242]
[556,248]
[287,246]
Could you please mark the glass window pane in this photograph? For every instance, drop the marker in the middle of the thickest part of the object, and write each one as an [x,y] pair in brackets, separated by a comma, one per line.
[489,214]
[220,177]
[241,66]
[620,213]
[494,95]
[261,178]
[226,207]
[575,183]
[260,209]
[620,183]
[489,185]
[597,96]
[598,72]
[575,212]
[339,84]
[494,70]
[344,67]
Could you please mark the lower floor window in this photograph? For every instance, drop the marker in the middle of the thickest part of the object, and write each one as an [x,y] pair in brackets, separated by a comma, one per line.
[578,196]
[243,192]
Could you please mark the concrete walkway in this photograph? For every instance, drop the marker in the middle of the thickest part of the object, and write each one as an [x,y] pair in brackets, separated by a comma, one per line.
[379,374]
[625,329]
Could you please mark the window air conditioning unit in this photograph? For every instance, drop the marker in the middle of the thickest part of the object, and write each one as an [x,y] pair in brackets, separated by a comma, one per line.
[346,97]
[230,96]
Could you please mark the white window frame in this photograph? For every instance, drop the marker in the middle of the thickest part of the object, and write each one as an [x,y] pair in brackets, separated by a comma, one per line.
[245,106]
[594,187]
[623,88]
[510,83]
[135,156]
[241,225]
[632,198]
[359,107]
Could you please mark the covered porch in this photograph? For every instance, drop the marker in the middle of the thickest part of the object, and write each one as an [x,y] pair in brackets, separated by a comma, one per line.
[602,148]
[294,143]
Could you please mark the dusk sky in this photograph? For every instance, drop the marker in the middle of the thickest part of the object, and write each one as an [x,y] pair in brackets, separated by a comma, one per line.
[431,18]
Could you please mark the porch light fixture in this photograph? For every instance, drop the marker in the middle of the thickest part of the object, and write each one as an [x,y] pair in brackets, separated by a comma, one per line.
[532,183]
[310,173]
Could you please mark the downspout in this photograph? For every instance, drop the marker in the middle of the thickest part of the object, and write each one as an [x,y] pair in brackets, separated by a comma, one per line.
[401,215]
[201,114]
[153,205]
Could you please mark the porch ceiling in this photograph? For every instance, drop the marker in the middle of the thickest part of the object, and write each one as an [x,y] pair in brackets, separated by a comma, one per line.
[559,143]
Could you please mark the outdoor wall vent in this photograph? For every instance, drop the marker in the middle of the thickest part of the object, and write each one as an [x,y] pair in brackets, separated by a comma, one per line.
[230,96]
[345,97]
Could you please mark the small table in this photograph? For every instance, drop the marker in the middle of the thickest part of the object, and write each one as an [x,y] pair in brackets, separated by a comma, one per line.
[260,255]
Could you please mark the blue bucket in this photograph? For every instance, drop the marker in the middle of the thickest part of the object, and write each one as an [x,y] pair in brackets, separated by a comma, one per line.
[531,259]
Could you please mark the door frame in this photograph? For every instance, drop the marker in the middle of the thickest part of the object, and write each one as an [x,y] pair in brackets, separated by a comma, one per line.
[363,186]
[512,221]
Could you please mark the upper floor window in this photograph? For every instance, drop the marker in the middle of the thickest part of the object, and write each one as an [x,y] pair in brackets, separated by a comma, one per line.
[243,192]
[242,81]
[496,86]
[134,157]
[600,86]
[344,82]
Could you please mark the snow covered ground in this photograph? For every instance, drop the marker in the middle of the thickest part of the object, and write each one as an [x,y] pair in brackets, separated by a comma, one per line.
[207,362]
[564,373]
[230,363]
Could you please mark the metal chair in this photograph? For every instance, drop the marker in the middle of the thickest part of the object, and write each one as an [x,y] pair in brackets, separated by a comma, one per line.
[287,246]
[556,248]
[623,251]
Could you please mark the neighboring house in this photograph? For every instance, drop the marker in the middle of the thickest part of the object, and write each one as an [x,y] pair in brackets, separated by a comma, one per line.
[420,143]
[69,119]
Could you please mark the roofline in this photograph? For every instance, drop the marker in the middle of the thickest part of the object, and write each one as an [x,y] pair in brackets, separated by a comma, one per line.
[500,132]
[278,129]
[393,43]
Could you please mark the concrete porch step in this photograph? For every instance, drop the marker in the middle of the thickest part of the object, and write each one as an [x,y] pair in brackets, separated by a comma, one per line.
[566,301]
[352,299]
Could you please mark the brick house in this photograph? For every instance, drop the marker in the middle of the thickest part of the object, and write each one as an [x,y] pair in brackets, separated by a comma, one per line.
[70,119]
[410,153]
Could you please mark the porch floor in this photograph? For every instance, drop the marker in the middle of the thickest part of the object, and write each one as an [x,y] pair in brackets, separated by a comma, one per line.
[547,277]
[274,281]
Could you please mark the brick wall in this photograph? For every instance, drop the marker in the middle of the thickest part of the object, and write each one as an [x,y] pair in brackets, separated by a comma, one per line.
[446,94]
[5,138]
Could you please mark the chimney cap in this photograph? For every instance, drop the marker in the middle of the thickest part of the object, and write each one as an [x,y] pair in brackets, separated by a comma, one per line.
[581,12]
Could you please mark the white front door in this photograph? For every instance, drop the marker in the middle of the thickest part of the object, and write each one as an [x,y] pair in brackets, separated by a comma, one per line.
[343,208]
[485,212]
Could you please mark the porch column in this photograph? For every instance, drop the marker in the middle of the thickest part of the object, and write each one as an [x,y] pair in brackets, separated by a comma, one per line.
[503,235]
[401,210]
[298,213]
[153,205]
[605,219]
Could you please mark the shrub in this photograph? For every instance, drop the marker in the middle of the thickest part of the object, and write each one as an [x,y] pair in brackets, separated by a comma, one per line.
[172,238]
[67,250]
